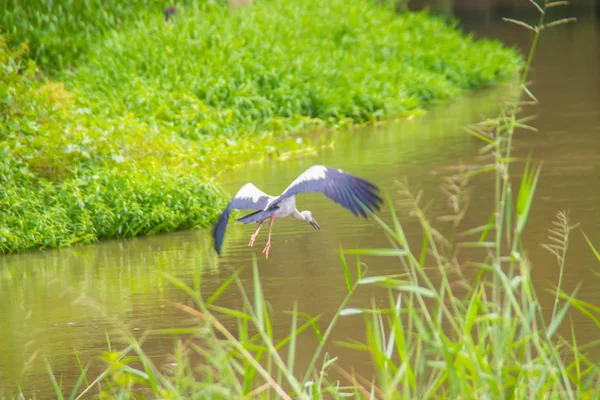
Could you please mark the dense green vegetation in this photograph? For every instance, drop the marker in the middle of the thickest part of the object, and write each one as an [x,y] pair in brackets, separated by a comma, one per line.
[115,122]
[60,32]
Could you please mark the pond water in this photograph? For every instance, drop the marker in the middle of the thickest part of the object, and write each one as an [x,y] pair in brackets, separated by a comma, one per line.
[55,304]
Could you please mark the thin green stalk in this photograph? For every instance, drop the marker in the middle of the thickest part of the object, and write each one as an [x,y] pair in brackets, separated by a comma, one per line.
[326,335]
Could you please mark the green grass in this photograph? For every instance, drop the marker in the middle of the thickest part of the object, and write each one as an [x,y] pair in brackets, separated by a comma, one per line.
[115,123]
[60,32]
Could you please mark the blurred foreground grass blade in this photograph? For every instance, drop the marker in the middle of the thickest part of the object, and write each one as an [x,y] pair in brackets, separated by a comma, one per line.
[584,307]
[478,245]
[490,226]
[589,242]
[509,213]
[80,380]
[240,315]
[181,285]
[479,229]
[424,248]
[150,375]
[217,293]
[412,288]
[292,347]
[82,370]
[559,315]
[526,193]
[259,305]
[346,270]
[395,308]
[310,323]
[347,312]
[55,385]
[378,252]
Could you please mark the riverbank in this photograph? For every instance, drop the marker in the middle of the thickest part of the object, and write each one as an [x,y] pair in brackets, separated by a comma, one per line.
[121,132]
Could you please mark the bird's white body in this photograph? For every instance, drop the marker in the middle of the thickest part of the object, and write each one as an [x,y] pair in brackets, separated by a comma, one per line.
[287,207]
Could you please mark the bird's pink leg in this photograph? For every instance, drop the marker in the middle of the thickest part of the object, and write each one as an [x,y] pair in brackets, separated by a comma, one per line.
[253,237]
[268,245]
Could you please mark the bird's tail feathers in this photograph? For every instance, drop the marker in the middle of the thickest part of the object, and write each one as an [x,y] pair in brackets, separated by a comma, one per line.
[257,216]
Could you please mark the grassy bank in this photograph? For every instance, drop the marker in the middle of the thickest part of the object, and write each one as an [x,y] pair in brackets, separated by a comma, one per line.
[115,122]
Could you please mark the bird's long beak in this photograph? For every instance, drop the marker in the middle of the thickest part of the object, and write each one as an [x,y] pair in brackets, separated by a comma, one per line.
[315,225]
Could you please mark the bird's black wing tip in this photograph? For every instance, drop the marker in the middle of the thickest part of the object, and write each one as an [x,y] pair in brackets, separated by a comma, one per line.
[218,230]
[218,246]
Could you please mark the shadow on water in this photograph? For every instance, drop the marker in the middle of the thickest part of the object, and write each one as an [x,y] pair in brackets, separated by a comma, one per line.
[56,303]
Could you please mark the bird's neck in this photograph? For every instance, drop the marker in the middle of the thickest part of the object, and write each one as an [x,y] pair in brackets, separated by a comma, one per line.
[298,214]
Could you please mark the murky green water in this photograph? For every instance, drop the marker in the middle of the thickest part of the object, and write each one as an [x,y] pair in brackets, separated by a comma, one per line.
[56,304]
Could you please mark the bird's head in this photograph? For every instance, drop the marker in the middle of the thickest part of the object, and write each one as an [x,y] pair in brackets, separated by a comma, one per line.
[307,215]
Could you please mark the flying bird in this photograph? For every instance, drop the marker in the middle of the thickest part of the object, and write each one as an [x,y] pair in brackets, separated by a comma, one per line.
[349,191]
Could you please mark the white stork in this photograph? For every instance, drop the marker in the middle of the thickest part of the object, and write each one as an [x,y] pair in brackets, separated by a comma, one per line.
[351,192]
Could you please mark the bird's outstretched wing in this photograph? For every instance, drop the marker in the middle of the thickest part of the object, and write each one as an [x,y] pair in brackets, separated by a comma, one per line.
[249,197]
[349,191]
